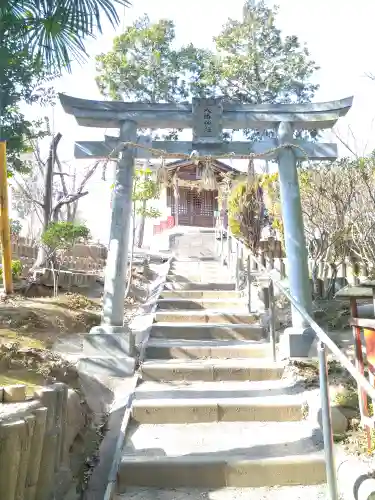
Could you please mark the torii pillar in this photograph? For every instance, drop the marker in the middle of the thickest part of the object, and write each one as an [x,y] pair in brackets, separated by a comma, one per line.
[208,118]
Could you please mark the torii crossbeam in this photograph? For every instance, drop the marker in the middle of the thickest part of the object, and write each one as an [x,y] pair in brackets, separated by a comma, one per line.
[208,118]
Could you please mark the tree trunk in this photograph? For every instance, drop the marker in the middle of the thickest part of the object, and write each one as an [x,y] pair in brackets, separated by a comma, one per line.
[47,198]
[130,278]
[141,230]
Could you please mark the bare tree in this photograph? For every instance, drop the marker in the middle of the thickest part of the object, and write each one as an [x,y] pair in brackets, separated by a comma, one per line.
[47,192]
[363,214]
[327,194]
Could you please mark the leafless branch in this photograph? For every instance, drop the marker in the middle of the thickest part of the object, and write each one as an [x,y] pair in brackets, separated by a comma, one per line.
[27,194]
[65,201]
[344,143]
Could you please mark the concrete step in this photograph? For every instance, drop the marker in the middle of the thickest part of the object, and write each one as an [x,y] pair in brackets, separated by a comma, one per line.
[185,267]
[220,454]
[305,492]
[203,349]
[94,344]
[199,389]
[191,286]
[208,331]
[207,304]
[210,370]
[218,277]
[201,294]
[195,271]
[108,366]
[161,403]
[168,411]
[205,316]
[191,271]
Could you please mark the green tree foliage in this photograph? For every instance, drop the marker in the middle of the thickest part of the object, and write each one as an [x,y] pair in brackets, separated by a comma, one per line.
[145,189]
[15,227]
[57,239]
[39,39]
[22,80]
[253,63]
[55,31]
[256,64]
[144,65]
[63,235]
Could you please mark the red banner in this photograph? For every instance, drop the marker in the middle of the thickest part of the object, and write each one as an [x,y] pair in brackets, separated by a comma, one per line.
[170,221]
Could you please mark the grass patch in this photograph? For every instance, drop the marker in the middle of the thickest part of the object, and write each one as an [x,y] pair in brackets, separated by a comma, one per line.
[30,378]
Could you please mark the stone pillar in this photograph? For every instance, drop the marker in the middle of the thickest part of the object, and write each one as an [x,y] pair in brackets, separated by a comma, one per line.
[26,457]
[12,434]
[60,420]
[36,449]
[45,486]
[176,196]
[117,260]
[298,339]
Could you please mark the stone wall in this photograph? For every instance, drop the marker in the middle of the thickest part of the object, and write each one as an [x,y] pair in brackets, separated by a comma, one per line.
[90,258]
[28,248]
[36,435]
[66,279]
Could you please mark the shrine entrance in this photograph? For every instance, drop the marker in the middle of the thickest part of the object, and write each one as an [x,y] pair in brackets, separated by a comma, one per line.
[195,208]
[193,191]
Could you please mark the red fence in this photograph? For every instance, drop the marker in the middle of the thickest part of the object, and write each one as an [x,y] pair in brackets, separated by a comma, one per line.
[163,225]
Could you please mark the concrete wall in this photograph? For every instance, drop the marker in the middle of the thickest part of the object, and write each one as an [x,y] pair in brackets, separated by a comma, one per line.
[35,437]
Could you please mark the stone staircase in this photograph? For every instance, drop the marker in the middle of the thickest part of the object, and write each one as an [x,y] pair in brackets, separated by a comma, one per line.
[213,417]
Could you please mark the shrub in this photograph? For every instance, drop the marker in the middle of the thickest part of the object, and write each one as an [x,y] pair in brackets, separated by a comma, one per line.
[63,235]
[15,227]
[247,215]
[16,269]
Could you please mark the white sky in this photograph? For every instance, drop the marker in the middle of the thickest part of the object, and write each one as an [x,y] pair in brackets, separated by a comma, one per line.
[338,33]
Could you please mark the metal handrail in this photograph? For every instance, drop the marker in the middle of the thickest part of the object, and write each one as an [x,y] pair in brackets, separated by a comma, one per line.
[323,337]
[324,341]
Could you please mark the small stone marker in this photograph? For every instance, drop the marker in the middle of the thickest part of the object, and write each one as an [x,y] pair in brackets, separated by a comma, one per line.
[14,393]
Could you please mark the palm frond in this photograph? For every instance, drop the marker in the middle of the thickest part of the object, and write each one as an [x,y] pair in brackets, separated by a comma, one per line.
[55,30]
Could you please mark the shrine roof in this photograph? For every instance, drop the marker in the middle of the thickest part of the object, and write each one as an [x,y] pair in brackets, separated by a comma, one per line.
[217,164]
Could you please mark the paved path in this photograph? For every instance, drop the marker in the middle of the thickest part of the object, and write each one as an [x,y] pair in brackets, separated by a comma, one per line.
[213,417]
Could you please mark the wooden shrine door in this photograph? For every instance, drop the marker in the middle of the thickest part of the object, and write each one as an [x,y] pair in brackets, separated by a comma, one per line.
[196,208]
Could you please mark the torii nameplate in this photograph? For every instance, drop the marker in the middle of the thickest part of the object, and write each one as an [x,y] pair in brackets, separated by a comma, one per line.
[207,121]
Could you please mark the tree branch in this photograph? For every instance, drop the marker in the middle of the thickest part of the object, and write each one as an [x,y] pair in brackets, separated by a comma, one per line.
[28,195]
[90,172]
[66,201]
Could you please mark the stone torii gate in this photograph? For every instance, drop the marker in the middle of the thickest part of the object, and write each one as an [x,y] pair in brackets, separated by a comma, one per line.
[207,118]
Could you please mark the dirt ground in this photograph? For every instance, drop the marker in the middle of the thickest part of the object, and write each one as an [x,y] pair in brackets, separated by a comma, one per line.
[29,326]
